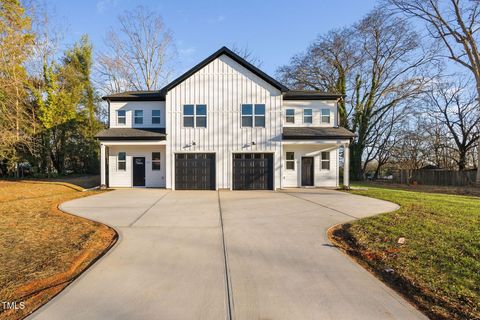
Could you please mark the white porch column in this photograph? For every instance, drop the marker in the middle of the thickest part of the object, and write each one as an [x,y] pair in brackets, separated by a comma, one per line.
[103,173]
[346,165]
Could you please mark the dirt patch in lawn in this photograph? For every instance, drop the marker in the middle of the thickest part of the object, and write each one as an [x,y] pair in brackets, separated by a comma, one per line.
[428,250]
[43,249]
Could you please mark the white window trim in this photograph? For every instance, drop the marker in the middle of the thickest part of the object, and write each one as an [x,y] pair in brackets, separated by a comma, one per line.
[159,116]
[124,118]
[325,160]
[159,161]
[310,116]
[200,116]
[322,115]
[195,116]
[291,116]
[121,161]
[135,117]
[289,161]
[253,115]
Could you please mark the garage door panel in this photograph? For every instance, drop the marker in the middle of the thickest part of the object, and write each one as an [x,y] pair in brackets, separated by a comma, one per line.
[253,171]
[195,171]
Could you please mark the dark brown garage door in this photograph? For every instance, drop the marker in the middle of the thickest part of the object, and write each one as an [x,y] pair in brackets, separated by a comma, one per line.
[195,171]
[253,171]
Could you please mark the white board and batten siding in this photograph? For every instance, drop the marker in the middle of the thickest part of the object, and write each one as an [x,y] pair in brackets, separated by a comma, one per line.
[130,107]
[224,85]
[316,106]
[322,177]
[124,178]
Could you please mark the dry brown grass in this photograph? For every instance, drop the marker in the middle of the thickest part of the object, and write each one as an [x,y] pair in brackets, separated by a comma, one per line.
[43,249]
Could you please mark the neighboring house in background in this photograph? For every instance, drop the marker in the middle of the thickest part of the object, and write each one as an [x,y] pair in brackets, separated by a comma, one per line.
[224,124]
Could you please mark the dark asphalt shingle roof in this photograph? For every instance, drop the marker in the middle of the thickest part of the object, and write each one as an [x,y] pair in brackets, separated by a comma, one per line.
[304,133]
[159,95]
[136,96]
[310,95]
[132,134]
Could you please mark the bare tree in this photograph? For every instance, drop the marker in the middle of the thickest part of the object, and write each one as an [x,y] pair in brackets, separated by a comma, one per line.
[456,24]
[246,53]
[392,72]
[140,53]
[409,152]
[328,64]
[455,106]
[379,63]
[439,149]
[386,133]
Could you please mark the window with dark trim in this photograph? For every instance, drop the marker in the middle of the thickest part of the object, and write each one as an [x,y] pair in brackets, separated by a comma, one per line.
[188,115]
[156,161]
[121,117]
[259,119]
[138,116]
[122,161]
[325,160]
[290,116]
[155,116]
[201,116]
[253,115]
[307,116]
[325,115]
[195,115]
[290,161]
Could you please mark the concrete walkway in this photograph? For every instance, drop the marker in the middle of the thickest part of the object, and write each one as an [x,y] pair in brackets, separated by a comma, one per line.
[170,262]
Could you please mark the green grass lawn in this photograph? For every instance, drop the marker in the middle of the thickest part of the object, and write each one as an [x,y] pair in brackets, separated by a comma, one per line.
[438,267]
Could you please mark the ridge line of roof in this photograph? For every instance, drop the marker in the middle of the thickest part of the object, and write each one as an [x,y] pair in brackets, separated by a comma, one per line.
[159,95]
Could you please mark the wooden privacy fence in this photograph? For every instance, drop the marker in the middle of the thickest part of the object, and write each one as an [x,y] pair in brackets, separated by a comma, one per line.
[436,177]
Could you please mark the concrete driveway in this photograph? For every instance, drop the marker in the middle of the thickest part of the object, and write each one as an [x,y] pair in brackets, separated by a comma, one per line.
[270,259]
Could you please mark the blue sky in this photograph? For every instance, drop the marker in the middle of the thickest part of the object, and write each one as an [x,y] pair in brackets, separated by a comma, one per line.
[273,30]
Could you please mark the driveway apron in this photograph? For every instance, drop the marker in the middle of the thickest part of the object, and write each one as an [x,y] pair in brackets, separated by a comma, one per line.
[226,255]
[282,266]
[168,263]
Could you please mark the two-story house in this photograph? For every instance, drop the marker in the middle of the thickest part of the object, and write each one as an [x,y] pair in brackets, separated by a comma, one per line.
[224,124]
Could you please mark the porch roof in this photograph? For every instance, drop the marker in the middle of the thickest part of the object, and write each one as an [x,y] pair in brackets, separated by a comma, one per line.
[315,133]
[131,134]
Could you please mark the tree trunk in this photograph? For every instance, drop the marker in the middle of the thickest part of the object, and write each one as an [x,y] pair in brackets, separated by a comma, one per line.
[377,172]
[477,181]
[462,160]
[356,161]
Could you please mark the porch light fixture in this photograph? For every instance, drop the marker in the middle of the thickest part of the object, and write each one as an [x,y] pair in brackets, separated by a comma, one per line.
[253,143]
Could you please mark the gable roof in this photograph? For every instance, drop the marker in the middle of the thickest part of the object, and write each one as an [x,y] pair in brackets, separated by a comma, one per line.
[229,53]
[159,95]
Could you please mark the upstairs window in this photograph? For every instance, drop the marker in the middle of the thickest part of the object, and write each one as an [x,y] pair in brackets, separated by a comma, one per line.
[259,115]
[290,116]
[155,161]
[325,115]
[253,115]
[307,116]
[201,115]
[188,115]
[121,117]
[155,116]
[122,161]
[138,117]
[247,115]
[290,161]
[325,161]
[195,115]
